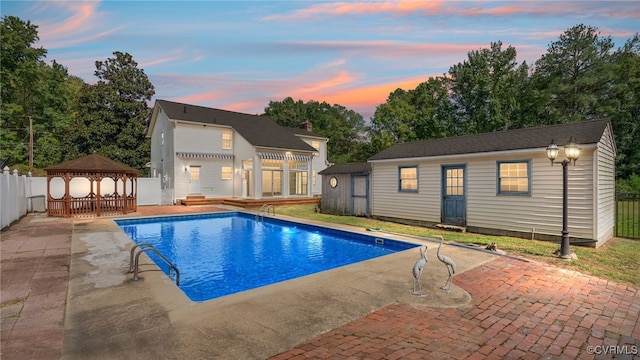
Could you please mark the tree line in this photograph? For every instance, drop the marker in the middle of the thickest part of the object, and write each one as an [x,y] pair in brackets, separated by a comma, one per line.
[582,76]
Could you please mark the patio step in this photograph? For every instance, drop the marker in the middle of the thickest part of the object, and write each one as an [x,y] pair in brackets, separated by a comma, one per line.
[451,227]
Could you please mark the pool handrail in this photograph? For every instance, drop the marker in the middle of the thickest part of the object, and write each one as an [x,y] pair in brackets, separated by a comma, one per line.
[264,210]
[151,248]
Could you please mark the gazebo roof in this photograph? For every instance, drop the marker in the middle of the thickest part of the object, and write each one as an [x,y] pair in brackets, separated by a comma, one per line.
[92,163]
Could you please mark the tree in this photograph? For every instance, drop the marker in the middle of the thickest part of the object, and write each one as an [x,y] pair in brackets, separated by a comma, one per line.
[32,91]
[482,89]
[113,114]
[434,109]
[19,63]
[392,121]
[625,91]
[572,79]
[342,126]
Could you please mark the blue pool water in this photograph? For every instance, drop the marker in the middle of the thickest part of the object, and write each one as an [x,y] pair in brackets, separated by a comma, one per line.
[224,253]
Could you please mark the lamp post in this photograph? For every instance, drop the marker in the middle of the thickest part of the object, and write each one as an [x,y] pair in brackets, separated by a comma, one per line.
[572,153]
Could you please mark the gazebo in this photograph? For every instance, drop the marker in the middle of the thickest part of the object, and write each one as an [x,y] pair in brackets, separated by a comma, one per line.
[93,186]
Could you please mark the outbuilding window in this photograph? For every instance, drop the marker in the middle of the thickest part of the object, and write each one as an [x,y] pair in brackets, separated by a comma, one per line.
[408,179]
[514,177]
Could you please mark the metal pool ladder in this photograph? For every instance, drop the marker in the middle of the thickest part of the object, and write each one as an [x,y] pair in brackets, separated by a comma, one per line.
[264,210]
[134,265]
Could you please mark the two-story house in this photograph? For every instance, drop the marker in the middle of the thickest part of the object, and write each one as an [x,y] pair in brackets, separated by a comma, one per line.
[201,151]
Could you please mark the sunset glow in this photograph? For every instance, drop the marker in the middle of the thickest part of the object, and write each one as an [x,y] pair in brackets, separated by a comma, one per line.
[240,55]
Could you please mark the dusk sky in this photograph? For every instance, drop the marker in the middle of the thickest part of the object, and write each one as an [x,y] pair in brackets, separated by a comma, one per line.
[239,55]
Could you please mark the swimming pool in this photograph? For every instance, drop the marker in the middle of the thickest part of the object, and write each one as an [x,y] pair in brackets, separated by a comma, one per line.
[220,254]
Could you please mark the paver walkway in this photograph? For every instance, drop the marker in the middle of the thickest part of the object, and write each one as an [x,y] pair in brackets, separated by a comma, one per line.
[520,310]
[34,279]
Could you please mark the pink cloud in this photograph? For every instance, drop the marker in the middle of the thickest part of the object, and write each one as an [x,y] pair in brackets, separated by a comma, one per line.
[84,13]
[81,23]
[359,8]
[341,78]
[243,96]
[458,8]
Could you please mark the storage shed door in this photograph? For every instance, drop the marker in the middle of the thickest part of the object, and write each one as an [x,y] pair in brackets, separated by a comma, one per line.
[359,197]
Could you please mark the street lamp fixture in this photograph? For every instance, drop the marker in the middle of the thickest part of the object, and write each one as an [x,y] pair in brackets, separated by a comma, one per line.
[572,153]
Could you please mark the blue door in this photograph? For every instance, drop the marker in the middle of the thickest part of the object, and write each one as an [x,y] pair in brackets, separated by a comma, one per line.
[454,199]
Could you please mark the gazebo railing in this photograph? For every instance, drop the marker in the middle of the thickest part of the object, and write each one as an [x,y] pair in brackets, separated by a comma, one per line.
[91,206]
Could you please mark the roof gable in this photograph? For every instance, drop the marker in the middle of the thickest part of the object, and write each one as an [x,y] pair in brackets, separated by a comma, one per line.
[347,168]
[259,131]
[585,132]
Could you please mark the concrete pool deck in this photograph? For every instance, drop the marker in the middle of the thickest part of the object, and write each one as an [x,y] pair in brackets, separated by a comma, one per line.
[499,307]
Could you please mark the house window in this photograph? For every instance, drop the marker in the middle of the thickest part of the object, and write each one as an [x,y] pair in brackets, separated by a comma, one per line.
[226,140]
[408,179]
[226,173]
[514,177]
[298,177]
[271,177]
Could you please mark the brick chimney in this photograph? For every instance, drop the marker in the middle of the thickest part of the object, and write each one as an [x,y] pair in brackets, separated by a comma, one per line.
[307,125]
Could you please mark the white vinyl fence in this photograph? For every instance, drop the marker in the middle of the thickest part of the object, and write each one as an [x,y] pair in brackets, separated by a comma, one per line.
[14,195]
[20,194]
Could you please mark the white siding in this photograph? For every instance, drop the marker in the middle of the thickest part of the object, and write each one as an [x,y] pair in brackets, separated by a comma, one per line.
[387,201]
[162,155]
[605,188]
[244,151]
[202,139]
[318,163]
[541,211]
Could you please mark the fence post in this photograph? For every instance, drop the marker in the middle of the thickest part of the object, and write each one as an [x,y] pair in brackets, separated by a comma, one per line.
[4,198]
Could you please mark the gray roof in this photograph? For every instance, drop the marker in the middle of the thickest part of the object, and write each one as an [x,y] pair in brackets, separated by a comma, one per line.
[585,132]
[258,130]
[92,163]
[347,168]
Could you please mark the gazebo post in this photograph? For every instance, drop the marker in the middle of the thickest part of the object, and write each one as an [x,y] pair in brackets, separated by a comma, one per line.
[49,177]
[98,194]
[124,194]
[67,196]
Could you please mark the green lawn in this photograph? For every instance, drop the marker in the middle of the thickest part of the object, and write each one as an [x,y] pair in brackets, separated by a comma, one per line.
[618,260]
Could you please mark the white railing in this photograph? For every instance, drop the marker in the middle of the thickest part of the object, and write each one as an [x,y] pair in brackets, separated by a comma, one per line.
[20,194]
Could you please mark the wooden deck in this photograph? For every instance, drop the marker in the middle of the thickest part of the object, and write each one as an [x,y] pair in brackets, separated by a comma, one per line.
[193,200]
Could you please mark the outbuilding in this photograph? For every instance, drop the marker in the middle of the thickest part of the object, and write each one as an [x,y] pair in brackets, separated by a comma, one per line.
[345,189]
[501,183]
[498,183]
